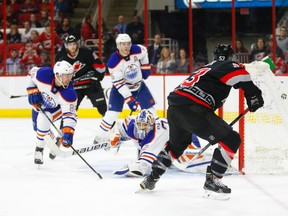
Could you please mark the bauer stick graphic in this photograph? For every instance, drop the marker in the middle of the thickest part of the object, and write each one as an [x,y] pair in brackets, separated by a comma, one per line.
[60,134]
[183,166]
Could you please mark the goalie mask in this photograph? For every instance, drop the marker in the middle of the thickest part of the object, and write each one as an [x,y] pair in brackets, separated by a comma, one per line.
[63,71]
[223,52]
[144,123]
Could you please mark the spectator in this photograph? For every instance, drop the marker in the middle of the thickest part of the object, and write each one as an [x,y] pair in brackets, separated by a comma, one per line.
[28,7]
[24,48]
[165,63]
[33,22]
[14,36]
[14,4]
[11,17]
[241,52]
[121,26]
[135,30]
[13,63]
[60,7]
[282,42]
[87,30]
[110,45]
[30,59]
[26,35]
[34,38]
[154,50]
[240,48]
[44,44]
[182,65]
[44,17]
[1,37]
[65,29]
[259,51]
[279,60]
[104,29]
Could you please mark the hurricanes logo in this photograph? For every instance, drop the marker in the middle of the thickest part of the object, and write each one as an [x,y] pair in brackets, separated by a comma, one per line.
[48,101]
[131,71]
[78,66]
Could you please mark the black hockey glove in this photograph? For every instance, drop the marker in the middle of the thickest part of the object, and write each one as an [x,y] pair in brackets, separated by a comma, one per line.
[254,102]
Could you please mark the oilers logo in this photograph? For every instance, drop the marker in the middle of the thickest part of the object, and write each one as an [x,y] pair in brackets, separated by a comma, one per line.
[131,71]
[48,101]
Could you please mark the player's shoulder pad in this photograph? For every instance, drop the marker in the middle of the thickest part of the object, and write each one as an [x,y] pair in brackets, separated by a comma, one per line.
[137,49]
[69,94]
[113,60]
[45,75]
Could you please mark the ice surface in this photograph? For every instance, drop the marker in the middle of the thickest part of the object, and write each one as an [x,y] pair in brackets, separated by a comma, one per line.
[69,187]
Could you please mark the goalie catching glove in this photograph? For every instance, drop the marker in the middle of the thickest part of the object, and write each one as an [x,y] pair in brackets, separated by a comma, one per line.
[254,102]
[67,138]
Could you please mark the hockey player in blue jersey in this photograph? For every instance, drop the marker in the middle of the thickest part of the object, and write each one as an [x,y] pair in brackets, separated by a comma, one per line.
[52,89]
[129,67]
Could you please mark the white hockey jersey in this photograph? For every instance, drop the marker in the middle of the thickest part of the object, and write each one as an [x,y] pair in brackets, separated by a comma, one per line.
[126,72]
[60,102]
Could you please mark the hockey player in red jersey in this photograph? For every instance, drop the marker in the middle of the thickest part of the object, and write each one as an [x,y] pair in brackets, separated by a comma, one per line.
[52,90]
[191,111]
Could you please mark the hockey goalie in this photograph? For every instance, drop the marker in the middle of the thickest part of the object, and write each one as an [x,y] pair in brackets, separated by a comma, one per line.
[150,135]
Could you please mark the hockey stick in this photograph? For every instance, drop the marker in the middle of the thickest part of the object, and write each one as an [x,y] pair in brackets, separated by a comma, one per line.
[64,154]
[60,134]
[183,166]
[18,96]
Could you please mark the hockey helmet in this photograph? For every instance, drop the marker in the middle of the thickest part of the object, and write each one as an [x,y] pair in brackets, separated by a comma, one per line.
[62,67]
[69,39]
[223,52]
[144,121]
[122,38]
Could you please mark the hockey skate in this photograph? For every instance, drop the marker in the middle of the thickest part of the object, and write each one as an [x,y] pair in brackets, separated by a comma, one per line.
[214,188]
[38,159]
[52,155]
[149,182]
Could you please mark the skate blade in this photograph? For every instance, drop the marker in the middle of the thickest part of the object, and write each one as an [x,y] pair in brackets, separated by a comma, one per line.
[216,196]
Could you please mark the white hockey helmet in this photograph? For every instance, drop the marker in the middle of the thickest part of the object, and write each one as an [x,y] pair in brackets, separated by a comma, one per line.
[62,67]
[144,121]
[122,38]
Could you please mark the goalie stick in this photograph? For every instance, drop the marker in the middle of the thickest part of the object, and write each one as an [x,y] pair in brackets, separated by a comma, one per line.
[183,166]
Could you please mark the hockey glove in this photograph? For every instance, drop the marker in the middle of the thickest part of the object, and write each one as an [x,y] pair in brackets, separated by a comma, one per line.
[254,102]
[34,97]
[132,103]
[145,69]
[67,138]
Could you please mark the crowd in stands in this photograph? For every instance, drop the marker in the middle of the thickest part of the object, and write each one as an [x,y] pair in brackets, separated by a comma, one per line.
[32,45]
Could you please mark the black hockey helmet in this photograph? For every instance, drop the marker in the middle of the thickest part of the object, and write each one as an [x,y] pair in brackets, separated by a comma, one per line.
[70,39]
[223,52]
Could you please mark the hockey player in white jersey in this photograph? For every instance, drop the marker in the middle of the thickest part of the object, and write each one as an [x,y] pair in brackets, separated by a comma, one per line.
[129,67]
[52,89]
[150,135]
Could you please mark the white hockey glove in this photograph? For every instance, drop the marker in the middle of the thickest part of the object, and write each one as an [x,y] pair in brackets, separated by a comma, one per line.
[134,169]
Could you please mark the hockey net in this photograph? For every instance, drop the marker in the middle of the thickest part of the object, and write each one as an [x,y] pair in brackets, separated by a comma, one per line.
[265,132]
